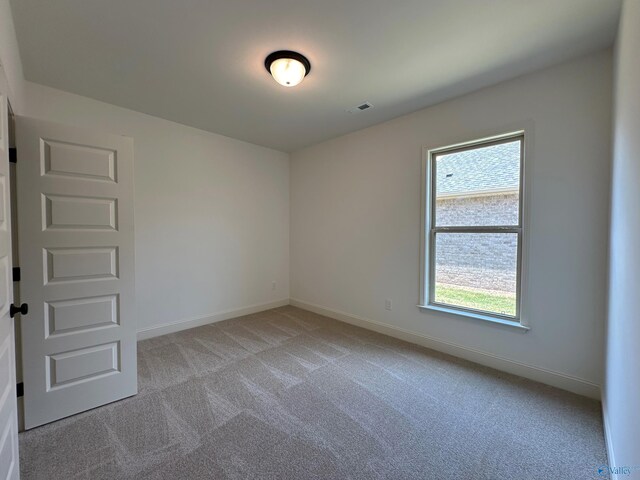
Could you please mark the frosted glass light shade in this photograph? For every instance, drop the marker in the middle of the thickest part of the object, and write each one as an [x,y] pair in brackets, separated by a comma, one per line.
[287,71]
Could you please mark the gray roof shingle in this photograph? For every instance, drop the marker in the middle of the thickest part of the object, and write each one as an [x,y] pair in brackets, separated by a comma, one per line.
[496,167]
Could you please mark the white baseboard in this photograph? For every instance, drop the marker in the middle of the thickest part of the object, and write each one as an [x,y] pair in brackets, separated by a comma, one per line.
[542,375]
[607,435]
[187,323]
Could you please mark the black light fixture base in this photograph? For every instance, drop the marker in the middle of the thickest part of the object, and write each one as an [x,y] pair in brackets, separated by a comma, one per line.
[272,57]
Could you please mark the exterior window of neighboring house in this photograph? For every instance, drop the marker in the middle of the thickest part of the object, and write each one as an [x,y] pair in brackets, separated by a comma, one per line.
[473,235]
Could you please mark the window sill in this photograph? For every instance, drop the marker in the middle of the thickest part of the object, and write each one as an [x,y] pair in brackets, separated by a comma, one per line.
[476,316]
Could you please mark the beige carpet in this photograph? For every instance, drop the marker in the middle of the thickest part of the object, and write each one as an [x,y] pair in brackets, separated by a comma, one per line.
[289,394]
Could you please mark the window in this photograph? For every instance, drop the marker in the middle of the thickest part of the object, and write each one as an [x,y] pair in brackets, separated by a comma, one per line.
[473,228]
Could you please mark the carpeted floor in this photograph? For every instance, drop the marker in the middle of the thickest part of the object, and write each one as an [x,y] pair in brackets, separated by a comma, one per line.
[289,394]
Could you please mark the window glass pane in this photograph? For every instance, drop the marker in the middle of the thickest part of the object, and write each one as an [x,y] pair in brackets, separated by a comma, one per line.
[477,271]
[478,186]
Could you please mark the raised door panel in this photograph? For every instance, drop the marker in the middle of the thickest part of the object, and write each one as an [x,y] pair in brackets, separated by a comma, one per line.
[78,264]
[69,368]
[79,213]
[81,314]
[67,159]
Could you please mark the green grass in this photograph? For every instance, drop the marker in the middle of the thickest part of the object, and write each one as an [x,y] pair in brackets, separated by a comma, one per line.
[488,302]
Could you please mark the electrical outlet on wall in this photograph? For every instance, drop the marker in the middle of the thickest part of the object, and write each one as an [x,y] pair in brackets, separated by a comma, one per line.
[273,285]
[388,304]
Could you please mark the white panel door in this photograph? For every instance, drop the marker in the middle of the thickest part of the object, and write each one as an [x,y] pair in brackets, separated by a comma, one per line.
[8,407]
[76,250]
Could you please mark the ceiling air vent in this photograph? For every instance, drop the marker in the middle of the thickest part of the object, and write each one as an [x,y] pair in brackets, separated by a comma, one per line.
[361,108]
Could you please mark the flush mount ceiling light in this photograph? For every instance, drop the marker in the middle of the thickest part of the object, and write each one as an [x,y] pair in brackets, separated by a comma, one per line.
[287,68]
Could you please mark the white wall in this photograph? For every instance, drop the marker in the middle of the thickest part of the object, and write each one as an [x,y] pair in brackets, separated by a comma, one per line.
[622,384]
[10,64]
[211,213]
[355,222]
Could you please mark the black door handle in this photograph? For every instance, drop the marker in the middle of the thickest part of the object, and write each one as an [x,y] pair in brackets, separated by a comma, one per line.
[22,310]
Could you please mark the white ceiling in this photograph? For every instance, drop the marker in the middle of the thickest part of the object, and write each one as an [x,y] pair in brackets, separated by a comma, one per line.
[200,62]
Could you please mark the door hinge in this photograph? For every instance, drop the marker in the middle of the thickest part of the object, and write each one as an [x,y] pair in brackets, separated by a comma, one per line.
[16,274]
[13,155]
[20,389]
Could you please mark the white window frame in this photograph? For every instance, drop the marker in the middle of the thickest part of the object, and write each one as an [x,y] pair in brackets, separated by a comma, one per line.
[429,230]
